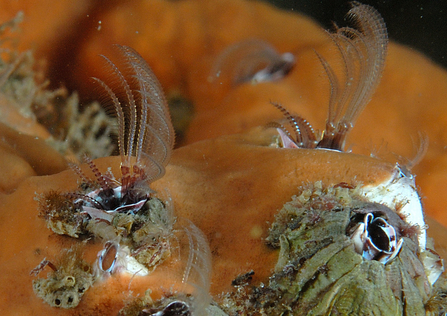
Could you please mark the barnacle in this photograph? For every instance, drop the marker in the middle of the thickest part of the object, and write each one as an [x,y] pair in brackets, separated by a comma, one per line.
[363,53]
[319,270]
[251,60]
[363,50]
[144,238]
[189,295]
[145,139]
[124,207]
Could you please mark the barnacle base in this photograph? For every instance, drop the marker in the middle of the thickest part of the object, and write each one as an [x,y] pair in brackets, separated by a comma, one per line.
[318,271]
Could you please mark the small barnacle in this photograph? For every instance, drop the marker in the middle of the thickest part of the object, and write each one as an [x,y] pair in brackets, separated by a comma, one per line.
[66,284]
[144,240]
[251,60]
[190,293]
[363,51]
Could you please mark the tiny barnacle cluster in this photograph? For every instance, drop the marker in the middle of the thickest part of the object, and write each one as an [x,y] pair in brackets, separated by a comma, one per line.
[70,278]
[135,226]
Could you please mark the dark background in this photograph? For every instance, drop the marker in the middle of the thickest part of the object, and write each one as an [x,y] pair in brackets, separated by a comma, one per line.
[419,24]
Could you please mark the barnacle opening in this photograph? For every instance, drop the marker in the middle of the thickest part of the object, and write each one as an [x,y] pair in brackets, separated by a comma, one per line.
[376,239]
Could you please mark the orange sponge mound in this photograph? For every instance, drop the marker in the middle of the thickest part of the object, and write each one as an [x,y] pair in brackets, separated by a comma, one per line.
[23,156]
